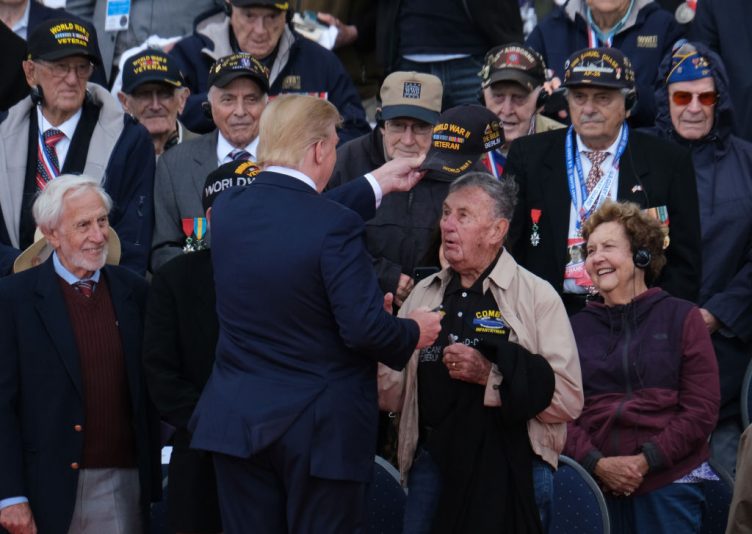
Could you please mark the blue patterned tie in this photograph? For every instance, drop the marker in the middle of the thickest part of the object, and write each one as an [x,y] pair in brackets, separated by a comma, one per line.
[240,155]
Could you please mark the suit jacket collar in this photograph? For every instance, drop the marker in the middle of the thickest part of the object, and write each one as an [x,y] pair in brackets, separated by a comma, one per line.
[53,314]
[555,190]
[205,159]
[283,180]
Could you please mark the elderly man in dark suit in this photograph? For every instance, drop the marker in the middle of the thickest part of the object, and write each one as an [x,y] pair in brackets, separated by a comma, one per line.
[290,410]
[564,175]
[237,95]
[77,435]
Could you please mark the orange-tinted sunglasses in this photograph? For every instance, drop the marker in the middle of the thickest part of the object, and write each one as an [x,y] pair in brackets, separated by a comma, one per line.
[683,98]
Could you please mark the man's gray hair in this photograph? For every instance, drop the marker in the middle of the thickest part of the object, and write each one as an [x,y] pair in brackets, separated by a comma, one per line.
[48,206]
[502,192]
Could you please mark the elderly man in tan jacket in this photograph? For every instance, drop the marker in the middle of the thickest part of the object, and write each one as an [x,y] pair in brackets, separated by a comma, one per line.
[484,410]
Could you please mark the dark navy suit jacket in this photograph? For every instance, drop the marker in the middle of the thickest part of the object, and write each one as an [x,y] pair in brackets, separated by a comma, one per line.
[41,396]
[302,326]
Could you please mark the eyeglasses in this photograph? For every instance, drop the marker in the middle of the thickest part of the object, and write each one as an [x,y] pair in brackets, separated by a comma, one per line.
[418,128]
[61,70]
[684,98]
[163,94]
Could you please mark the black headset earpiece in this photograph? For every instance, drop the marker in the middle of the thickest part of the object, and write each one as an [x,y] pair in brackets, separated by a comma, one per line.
[542,98]
[36,95]
[642,258]
[206,109]
[630,102]
[227,6]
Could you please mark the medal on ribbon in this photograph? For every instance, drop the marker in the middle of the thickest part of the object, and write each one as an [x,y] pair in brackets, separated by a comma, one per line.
[534,231]
[194,230]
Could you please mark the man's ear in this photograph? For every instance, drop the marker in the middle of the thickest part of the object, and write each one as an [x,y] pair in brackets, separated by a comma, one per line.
[499,230]
[52,236]
[182,95]
[123,98]
[30,72]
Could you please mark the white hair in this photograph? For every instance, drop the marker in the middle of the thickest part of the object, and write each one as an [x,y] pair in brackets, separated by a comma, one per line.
[49,203]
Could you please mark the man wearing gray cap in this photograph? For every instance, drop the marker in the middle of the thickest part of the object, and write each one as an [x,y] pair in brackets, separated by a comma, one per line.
[410,107]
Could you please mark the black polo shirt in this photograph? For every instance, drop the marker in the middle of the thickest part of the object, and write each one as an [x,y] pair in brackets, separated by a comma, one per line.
[471,317]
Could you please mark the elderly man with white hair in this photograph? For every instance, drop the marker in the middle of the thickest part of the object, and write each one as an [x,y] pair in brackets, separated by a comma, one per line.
[77,434]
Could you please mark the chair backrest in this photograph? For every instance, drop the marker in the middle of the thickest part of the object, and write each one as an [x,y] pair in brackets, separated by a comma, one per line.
[718,495]
[746,396]
[385,499]
[579,506]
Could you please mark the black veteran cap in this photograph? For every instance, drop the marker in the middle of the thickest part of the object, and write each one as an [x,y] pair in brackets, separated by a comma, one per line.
[227,68]
[282,6]
[462,134]
[513,63]
[599,67]
[59,38]
[150,66]
[233,174]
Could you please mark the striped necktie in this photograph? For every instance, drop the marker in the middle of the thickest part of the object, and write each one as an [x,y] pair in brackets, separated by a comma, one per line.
[48,167]
[240,155]
[595,174]
[85,287]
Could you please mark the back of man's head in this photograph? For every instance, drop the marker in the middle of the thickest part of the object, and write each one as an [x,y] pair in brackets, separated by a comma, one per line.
[289,125]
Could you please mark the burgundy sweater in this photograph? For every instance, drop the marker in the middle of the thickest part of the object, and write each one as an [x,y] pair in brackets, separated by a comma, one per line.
[109,439]
[650,378]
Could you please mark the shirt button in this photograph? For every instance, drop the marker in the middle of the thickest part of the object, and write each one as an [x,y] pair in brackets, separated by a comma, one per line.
[459,314]
[74,465]
[78,428]
[464,293]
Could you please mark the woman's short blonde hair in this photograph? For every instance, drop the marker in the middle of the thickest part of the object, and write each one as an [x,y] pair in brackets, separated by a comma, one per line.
[289,125]
[643,231]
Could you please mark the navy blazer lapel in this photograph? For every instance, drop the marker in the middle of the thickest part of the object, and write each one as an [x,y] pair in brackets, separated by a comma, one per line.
[53,313]
[631,176]
[555,211]
[205,158]
[128,320]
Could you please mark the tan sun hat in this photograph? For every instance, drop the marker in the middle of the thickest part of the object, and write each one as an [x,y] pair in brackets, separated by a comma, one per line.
[40,250]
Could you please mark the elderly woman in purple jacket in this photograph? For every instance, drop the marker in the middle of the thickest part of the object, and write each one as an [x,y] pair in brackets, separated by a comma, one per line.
[650,378]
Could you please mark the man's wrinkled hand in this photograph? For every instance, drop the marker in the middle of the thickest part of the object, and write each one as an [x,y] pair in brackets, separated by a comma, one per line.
[399,174]
[429,323]
[404,287]
[466,364]
[18,519]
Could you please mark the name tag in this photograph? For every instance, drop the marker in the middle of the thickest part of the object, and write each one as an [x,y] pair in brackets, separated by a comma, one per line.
[118,15]
[647,41]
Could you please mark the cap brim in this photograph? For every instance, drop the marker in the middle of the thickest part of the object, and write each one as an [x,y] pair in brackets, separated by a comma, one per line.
[519,77]
[225,78]
[40,251]
[413,112]
[592,83]
[452,165]
[151,78]
[62,53]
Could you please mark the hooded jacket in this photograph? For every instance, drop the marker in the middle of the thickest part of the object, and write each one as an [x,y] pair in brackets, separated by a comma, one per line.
[299,66]
[723,171]
[647,36]
[651,385]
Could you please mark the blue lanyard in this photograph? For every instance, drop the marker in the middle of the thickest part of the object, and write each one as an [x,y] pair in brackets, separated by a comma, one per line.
[588,203]
[595,34]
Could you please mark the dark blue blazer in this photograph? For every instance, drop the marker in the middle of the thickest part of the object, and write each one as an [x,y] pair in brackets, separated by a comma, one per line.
[41,393]
[302,326]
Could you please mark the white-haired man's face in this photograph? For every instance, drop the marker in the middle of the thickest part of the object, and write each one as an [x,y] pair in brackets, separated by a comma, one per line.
[80,237]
